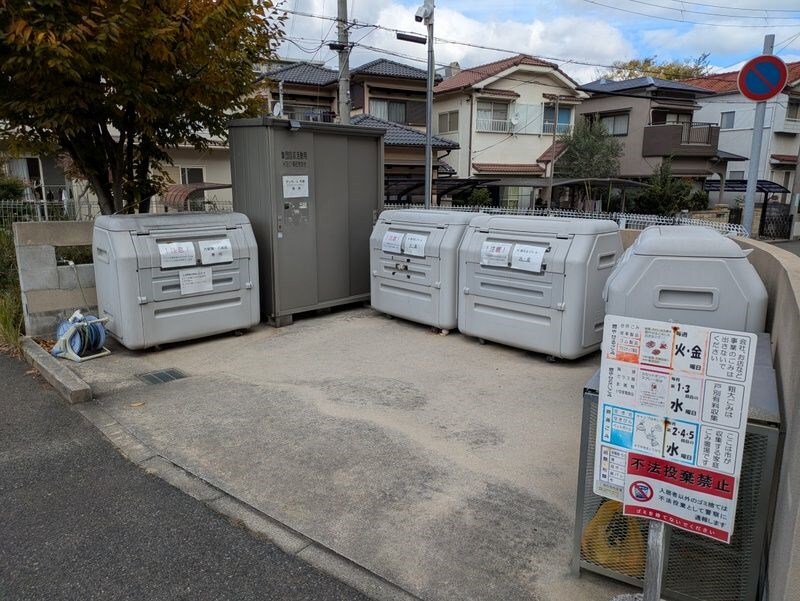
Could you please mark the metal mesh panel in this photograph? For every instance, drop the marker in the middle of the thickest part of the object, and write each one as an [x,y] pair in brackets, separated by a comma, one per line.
[631,221]
[698,568]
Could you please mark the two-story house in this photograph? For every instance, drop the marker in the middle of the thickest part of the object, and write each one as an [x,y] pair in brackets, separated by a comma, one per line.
[656,119]
[734,113]
[503,116]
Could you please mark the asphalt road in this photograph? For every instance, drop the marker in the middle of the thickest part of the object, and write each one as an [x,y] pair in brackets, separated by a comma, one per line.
[77,521]
[792,247]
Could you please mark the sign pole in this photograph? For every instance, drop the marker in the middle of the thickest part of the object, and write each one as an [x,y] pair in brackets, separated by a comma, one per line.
[654,569]
[755,152]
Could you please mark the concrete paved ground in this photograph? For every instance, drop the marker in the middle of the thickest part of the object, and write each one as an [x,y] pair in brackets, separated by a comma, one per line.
[80,522]
[793,246]
[446,467]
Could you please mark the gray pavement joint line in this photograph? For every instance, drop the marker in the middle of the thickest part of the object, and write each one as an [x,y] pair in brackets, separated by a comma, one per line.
[313,552]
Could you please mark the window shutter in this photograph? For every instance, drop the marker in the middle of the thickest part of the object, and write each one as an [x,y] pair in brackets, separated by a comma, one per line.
[415,112]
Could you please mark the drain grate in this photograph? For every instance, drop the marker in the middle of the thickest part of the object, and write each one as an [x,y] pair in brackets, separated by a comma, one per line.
[160,376]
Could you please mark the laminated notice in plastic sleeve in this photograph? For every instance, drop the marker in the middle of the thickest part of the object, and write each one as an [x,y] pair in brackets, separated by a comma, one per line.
[196,280]
[295,186]
[527,257]
[215,251]
[415,245]
[176,254]
[495,254]
[392,242]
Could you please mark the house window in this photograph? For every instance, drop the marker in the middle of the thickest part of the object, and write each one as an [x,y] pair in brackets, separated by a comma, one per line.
[307,113]
[564,119]
[492,116]
[388,110]
[726,120]
[194,175]
[793,110]
[616,125]
[736,175]
[448,122]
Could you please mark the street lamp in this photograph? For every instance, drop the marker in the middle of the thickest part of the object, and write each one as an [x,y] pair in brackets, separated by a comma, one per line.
[424,14]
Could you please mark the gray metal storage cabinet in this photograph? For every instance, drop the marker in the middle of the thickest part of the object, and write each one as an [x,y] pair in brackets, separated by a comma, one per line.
[414,262]
[688,274]
[536,282]
[313,192]
[175,276]
[699,568]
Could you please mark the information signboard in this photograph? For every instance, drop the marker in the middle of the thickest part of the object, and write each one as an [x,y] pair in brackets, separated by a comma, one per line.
[671,423]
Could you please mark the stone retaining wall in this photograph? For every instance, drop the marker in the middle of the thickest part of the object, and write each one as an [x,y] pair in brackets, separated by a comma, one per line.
[52,291]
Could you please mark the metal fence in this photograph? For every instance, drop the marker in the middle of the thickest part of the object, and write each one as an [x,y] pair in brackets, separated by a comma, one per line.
[631,221]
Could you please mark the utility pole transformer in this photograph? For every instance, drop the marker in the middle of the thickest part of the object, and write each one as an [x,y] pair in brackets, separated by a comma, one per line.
[343,48]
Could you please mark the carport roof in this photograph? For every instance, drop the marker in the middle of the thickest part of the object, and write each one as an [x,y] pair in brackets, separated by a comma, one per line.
[740,185]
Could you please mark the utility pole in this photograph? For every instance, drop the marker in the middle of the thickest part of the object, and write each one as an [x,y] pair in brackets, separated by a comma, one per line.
[549,189]
[343,46]
[428,19]
[280,98]
[755,153]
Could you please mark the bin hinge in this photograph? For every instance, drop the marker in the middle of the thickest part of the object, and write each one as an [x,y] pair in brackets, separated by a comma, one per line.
[142,300]
[561,306]
[249,285]
[466,290]
[437,285]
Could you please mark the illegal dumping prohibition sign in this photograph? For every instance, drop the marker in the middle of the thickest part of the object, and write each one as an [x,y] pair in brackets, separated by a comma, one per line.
[762,77]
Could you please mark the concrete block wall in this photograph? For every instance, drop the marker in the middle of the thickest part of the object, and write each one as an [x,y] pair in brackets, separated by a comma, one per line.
[52,292]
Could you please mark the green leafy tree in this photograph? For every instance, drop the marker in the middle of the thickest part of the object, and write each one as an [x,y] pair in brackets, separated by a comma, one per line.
[589,151]
[650,65]
[116,83]
[667,194]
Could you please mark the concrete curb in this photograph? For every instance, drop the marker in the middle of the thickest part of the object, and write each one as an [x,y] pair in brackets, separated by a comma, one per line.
[62,378]
[241,514]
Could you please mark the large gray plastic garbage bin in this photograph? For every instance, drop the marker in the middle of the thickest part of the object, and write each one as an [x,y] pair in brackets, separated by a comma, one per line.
[536,282]
[414,264]
[688,274]
[169,277]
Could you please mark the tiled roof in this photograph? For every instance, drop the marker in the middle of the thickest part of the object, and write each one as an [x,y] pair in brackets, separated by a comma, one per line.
[385,68]
[305,74]
[402,135]
[608,86]
[548,154]
[724,83]
[508,168]
[784,158]
[469,77]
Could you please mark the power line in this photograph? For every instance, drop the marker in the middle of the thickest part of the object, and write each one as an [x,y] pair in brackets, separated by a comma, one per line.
[705,23]
[776,10]
[711,14]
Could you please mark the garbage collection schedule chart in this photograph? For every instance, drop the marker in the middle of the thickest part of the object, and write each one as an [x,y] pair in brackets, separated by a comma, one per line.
[672,414]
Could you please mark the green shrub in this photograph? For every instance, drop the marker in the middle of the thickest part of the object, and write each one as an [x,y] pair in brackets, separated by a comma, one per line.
[10,302]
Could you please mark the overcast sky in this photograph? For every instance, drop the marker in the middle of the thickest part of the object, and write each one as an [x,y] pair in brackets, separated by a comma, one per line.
[583,31]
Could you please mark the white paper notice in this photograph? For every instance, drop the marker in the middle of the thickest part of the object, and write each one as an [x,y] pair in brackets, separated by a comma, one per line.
[415,245]
[215,251]
[528,258]
[392,242]
[196,280]
[176,254]
[295,186]
[495,254]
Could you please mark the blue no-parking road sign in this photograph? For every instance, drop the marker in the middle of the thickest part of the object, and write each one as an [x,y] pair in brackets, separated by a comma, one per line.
[762,77]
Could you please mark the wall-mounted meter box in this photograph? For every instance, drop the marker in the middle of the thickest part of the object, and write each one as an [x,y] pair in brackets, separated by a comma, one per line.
[312,192]
[536,282]
[414,263]
[688,274]
[175,276]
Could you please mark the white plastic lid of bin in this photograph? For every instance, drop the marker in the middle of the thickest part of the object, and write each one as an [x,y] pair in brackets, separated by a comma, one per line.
[544,225]
[686,241]
[427,217]
[146,222]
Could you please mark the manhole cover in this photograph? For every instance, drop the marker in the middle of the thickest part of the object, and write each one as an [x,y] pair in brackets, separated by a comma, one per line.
[160,376]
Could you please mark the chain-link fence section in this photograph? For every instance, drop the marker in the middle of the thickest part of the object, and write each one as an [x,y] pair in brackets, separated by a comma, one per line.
[631,221]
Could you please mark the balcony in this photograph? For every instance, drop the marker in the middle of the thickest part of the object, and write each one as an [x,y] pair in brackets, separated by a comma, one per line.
[563,128]
[680,139]
[790,125]
[495,126]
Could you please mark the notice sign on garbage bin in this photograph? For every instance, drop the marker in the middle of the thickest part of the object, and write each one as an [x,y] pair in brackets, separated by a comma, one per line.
[672,415]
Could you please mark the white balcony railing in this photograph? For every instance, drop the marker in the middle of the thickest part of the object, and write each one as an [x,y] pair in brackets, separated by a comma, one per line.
[563,128]
[499,126]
